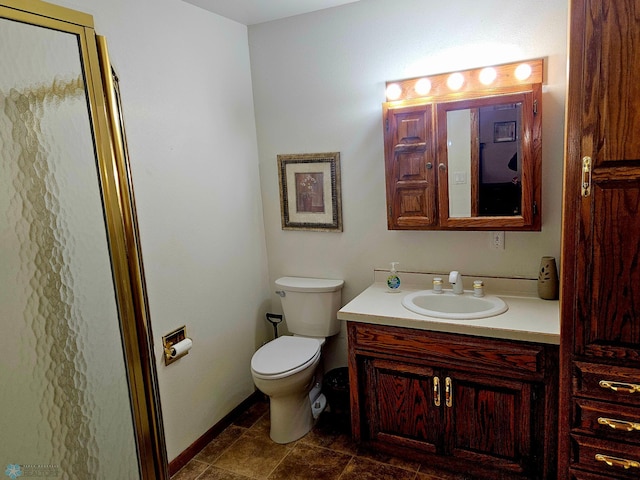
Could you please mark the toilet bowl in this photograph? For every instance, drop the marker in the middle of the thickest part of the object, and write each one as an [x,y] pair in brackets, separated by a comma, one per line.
[285,370]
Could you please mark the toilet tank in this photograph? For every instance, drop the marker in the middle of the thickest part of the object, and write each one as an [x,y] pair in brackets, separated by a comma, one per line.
[310,305]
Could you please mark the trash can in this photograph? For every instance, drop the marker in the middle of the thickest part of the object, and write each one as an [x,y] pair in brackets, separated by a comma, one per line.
[336,389]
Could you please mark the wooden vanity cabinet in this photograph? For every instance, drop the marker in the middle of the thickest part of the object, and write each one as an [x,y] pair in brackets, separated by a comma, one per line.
[480,407]
[600,288]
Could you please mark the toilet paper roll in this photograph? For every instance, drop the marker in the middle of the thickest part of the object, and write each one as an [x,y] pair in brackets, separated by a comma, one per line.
[181,348]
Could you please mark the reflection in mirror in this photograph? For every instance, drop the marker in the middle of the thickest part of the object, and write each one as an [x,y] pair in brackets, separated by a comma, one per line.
[484,154]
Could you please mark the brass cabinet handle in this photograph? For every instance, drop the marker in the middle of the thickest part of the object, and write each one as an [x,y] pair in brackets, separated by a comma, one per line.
[429,165]
[617,462]
[436,391]
[620,387]
[448,392]
[442,167]
[619,424]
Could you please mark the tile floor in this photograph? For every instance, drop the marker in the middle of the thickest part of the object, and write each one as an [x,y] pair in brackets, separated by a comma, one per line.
[244,451]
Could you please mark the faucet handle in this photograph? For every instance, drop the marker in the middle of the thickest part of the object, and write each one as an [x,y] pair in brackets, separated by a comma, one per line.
[478,288]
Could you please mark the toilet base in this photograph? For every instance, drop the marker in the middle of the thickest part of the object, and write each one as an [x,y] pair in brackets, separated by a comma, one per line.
[291,417]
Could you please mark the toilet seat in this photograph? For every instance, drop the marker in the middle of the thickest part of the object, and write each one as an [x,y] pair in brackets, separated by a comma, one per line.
[285,356]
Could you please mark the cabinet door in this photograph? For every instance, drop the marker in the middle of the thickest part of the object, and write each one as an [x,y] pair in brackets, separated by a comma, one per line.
[401,405]
[409,165]
[602,227]
[489,421]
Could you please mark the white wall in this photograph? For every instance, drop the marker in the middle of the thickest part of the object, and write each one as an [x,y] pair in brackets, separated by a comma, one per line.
[318,87]
[187,102]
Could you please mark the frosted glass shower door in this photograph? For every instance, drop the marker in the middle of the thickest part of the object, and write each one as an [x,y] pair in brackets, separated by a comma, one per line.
[65,410]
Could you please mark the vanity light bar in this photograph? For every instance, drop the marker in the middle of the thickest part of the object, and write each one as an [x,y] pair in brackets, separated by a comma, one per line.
[482,81]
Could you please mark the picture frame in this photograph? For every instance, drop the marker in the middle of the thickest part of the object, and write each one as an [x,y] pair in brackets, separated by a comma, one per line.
[504,132]
[310,191]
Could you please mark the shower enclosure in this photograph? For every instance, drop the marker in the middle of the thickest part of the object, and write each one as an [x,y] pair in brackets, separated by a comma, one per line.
[78,389]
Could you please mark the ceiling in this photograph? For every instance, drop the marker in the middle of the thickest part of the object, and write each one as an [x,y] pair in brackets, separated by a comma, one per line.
[250,12]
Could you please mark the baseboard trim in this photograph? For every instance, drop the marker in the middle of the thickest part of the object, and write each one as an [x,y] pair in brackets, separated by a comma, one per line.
[192,450]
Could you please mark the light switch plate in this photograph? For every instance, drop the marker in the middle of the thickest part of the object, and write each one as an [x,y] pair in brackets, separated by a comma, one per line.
[497,241]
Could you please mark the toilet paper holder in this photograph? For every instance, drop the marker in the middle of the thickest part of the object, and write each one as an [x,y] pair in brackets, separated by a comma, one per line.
[171,339]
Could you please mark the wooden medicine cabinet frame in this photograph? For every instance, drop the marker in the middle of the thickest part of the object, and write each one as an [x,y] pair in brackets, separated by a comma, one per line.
[417,165]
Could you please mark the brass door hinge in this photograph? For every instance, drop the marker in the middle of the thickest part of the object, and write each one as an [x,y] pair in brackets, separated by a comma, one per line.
[586,176]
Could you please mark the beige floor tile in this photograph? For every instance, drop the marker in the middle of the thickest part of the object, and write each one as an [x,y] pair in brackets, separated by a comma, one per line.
[389,459]
[214,473]
[218,445]
[253,455]
[253,414]
[331,432]
[326,453]
[190,471]
[364,469]
[306,462]
[427,473]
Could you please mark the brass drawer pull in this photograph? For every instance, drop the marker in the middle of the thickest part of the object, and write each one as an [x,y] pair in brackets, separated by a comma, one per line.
[436,391]
[619,424]
[617,462]
[448,392]
[620,387]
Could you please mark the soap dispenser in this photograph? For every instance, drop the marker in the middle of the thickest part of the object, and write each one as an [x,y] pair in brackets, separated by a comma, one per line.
[393,280]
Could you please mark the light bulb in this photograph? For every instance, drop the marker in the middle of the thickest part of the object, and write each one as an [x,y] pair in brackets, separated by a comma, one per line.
[394,91]
[523,71]
[455,81]
[488,75]
[423,86]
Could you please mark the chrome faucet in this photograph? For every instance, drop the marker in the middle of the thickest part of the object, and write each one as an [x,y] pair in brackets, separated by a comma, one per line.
[455,279]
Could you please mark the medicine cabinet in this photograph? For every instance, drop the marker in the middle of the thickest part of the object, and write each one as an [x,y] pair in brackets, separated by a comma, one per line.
[463,150]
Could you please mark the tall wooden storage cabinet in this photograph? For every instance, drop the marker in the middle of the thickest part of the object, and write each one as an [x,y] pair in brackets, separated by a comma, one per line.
[600,295]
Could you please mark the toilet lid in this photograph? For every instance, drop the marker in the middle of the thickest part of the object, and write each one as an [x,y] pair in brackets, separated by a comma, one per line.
[284,354]
[309,285]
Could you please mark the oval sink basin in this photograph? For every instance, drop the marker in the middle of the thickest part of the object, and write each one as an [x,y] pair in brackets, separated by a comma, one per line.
[451,306]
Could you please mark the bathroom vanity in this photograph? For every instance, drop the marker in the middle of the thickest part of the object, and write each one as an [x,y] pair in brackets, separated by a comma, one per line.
[476,397]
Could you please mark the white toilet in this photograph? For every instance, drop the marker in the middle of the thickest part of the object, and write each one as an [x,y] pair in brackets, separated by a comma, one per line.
[285,369]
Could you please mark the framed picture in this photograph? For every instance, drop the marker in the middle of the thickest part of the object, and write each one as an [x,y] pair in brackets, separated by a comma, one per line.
[504,132]
[310,191]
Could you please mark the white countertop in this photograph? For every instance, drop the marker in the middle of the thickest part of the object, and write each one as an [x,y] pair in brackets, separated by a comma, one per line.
[528,318]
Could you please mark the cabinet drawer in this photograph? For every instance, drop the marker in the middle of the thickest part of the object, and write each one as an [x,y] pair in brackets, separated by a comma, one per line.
[449,348]
[580,475]
[607,420]
[617,460]
[606,382]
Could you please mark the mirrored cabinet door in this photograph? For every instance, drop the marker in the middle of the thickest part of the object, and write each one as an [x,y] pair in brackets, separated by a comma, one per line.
[488,159]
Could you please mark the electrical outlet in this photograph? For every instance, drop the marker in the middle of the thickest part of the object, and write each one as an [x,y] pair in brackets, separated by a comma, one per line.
[497,241]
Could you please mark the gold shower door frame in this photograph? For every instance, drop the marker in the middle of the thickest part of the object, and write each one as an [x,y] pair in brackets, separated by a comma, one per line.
[121,225]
